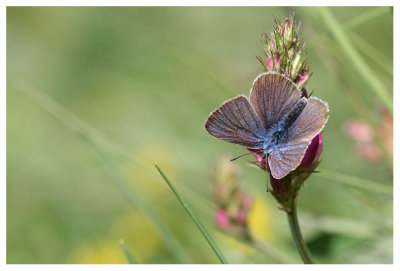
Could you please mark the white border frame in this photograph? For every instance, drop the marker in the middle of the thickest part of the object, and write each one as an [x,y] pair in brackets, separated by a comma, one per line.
[396,97]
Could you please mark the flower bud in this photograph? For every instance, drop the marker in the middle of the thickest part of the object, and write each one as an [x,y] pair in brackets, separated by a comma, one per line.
[272,64]
[232,201]
[304,76]
[296,66]
[222,219]
[313,152]
[288,31]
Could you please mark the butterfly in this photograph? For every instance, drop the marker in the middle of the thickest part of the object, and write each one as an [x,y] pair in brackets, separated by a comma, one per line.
[276,119]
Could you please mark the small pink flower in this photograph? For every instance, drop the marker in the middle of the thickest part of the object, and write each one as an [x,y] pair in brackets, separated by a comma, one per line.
[270,65]
[369,152]
[358,130]
[304,76]
[222,219]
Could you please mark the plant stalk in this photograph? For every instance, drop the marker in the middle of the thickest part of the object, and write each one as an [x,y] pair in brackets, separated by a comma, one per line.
[296,234]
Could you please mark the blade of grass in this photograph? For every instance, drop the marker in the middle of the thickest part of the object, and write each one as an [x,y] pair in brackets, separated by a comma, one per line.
[355,58]
[366,17]
[357,182]
[350,24]
[373,53]
[128,254]
[71,121]
[193,216]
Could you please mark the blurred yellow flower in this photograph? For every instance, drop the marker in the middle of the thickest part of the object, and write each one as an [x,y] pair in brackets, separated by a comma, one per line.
[138,234]
[259,219]
[105,252]
[139,237]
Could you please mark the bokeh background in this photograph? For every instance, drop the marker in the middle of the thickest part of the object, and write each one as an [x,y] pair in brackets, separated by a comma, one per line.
[96,95]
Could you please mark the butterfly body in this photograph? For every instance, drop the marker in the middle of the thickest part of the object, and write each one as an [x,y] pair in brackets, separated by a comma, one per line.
[278,134]
[277,120]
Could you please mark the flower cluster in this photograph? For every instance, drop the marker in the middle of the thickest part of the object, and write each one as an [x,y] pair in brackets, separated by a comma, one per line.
[233,202]
[284,51]
[367,138]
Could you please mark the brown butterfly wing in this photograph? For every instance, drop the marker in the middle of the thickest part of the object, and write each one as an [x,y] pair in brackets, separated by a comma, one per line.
[236,122]
[272,95]
[286,158]
[310,122]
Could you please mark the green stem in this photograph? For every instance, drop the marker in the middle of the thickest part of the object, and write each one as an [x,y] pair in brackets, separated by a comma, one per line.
[296,234]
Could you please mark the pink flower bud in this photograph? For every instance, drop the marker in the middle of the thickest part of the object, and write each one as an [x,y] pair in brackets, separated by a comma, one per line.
[278,186]
[369,152]
[358,130]
[313,152]
[222,219]
[270,64]
[304,76]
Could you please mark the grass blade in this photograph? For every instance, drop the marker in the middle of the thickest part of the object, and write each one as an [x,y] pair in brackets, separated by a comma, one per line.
[128,254]
[355,58]
[350,24]
[374,54]
[366,17]
[193,216]
[357,182]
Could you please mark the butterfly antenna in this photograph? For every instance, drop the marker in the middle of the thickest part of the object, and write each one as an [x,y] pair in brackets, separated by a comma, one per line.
[239,157]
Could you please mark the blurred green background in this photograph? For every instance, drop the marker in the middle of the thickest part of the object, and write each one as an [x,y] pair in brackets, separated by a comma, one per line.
[96,95]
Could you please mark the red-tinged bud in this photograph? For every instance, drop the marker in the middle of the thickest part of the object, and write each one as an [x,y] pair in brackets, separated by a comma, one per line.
[369,151]
[313,152]
[222,219]
[272,64]
[233,202]
[303,78]
[358,130]
[278,186]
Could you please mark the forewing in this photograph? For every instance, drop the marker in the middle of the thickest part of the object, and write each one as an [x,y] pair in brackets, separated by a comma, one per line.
[236,122]
[272,95]
[286,158]
[310,122]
